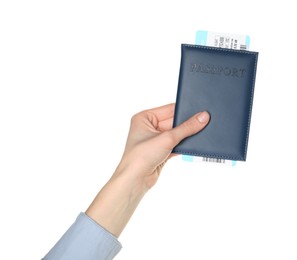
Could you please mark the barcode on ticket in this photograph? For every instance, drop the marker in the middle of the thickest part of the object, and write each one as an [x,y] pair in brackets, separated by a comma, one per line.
[215,160]
[190,158]
[223,40]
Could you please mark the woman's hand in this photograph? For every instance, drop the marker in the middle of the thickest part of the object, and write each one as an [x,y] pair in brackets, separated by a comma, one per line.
[151,139]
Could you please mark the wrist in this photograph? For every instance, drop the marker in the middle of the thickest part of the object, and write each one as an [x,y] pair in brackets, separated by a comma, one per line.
[133,175]
[116,202]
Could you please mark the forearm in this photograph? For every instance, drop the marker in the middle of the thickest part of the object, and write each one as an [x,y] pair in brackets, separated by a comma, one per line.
[116,202]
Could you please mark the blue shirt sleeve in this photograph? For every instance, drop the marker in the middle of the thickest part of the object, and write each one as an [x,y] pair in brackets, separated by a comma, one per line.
[85,240]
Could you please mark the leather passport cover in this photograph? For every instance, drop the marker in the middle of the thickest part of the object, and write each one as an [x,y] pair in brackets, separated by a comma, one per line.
[220,81]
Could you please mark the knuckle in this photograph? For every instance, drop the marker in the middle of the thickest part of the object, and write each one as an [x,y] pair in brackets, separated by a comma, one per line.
[169,138]
[135,118]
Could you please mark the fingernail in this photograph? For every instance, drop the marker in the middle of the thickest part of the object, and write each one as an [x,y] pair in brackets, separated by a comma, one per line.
[203,117]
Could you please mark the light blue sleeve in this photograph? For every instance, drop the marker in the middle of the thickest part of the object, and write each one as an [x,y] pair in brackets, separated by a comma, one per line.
[85,240]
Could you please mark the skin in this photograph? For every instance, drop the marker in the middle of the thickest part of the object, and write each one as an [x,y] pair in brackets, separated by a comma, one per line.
[149,144]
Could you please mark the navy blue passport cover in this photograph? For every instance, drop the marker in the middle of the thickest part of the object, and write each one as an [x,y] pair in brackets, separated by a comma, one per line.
[220,81]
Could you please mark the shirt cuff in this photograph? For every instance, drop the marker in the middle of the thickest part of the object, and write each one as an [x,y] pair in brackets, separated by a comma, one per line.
[85,240]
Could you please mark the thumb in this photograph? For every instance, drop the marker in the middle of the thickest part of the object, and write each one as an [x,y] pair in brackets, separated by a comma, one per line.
[190,127]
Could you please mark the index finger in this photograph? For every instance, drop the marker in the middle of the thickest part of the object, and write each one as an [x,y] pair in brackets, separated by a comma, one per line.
[163,112]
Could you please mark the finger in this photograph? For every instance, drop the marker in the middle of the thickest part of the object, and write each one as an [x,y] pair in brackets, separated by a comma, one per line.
[163,112]
[165,125]
[190,127]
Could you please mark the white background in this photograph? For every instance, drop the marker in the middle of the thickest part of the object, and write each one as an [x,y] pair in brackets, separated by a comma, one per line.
[72,73]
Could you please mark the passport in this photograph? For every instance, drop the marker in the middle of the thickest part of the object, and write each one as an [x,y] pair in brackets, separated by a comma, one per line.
[222,82]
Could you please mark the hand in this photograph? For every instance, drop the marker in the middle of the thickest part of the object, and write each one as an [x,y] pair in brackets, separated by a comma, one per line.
[151,140]
[149,144]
